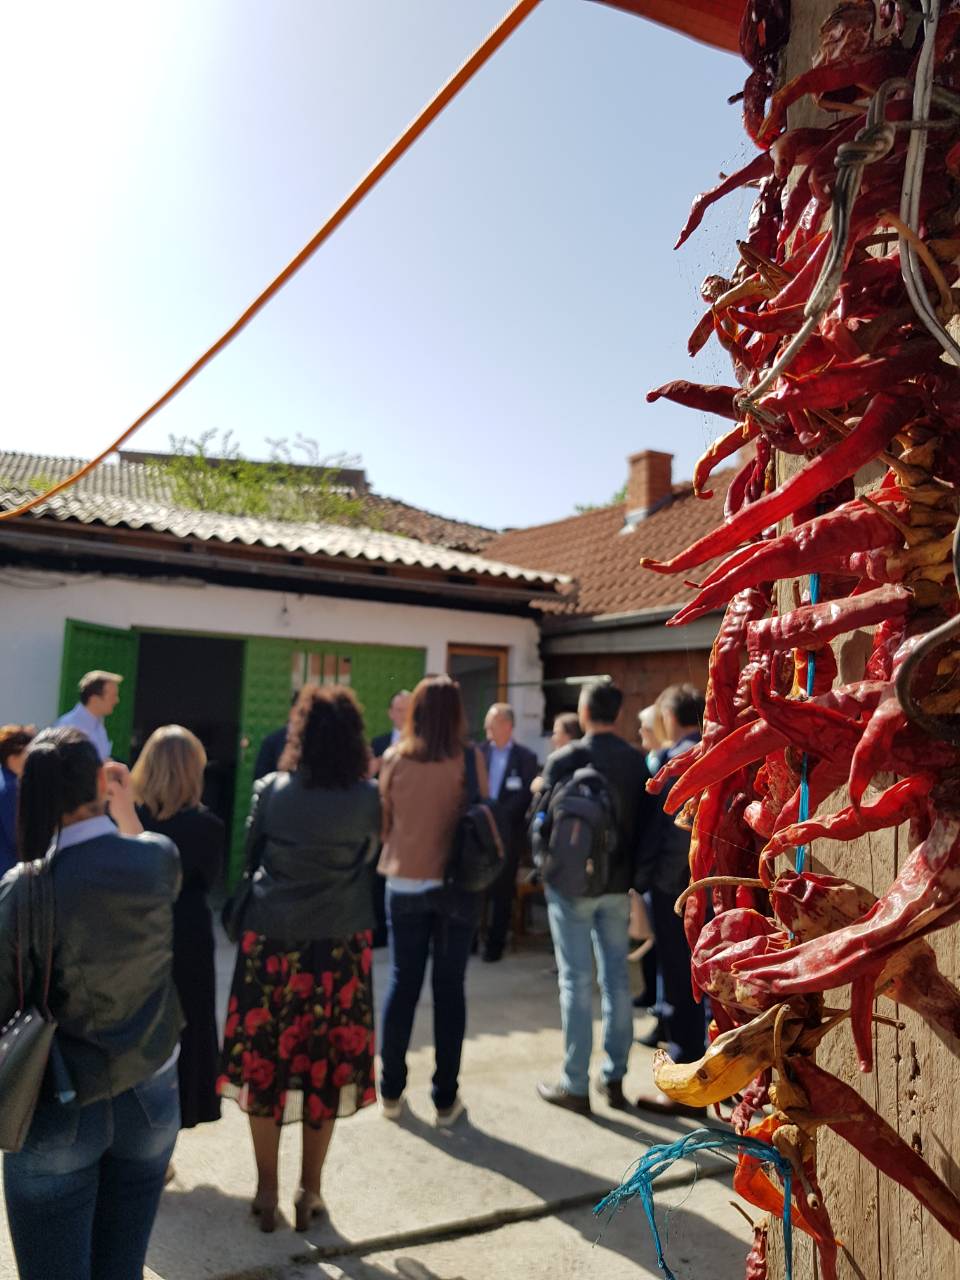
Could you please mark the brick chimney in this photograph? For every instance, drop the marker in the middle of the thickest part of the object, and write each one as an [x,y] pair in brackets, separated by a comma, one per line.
[649,484]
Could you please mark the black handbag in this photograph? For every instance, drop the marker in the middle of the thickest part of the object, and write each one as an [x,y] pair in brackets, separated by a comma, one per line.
[477,857]
[236,906]
[27,1039]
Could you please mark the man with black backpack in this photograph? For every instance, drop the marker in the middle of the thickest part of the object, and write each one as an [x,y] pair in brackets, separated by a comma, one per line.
[586,829]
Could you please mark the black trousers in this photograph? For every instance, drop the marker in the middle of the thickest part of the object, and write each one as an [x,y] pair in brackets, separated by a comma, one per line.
[684,1018]
[500,898]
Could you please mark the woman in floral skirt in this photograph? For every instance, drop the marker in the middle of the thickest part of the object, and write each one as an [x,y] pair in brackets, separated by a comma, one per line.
[299,1040]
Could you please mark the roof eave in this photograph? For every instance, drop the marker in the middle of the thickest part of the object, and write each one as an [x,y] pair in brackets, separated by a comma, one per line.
[68,539]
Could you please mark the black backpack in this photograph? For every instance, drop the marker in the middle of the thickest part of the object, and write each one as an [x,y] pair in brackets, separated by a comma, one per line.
[575,834]
[476,858]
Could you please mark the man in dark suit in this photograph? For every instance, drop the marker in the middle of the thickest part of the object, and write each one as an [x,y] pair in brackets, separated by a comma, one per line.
[511,769]
[271,748]
[397,711]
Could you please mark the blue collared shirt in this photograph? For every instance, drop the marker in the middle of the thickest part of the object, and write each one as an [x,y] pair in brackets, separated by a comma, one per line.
[499,759]
[86,829]
[90,725]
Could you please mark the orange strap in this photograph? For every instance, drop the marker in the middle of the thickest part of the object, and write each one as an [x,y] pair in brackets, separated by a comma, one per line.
[446,94]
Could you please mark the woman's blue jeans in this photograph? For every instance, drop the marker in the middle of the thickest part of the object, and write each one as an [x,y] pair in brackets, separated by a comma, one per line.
[83,1192]
[420,924]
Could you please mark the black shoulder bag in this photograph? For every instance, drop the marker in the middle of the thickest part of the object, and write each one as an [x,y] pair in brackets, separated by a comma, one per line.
[26,1040]
[237,905]
[476,858]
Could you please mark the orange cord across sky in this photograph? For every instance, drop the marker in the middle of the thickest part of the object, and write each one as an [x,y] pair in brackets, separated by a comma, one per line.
[522,9]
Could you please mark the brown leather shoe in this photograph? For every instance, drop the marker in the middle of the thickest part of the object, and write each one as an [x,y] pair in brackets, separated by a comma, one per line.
[558,1096]
[665,1106]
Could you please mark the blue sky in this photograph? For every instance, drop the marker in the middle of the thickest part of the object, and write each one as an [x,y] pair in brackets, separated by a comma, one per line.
[481,331]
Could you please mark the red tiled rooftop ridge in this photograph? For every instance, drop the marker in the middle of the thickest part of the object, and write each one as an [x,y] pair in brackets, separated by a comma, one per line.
[605,561]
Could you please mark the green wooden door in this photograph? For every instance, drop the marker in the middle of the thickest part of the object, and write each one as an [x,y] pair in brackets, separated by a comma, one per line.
[88,646]
[272,669]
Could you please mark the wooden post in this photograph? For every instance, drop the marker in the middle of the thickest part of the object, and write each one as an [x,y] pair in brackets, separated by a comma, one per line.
[916,1078]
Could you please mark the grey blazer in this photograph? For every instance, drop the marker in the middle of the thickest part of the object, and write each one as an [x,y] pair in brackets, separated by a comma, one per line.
[313,849]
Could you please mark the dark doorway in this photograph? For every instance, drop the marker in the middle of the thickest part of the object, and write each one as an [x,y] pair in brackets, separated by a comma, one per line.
[194,681]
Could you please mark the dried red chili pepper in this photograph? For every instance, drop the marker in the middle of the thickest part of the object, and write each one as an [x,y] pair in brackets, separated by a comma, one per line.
[925,890]
[724,668]
[753,741]
[759,167]
[722,447]
[845,382]
[697,395]
[825,544]
[729,936]
[874,748]
[884,417]
[866,72]
[813,625]
[898,803]
[753,1183]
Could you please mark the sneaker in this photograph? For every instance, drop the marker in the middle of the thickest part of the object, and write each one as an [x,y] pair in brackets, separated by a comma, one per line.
[391,1108]
[558,1096]
[447,1117]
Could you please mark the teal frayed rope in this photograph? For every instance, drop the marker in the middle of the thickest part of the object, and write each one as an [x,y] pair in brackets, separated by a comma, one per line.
[659,1159]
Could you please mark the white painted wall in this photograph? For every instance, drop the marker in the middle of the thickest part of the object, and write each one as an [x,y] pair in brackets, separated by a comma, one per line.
[34,605]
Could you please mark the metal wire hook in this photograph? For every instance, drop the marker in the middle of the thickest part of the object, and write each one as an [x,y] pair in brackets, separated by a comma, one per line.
[947,729]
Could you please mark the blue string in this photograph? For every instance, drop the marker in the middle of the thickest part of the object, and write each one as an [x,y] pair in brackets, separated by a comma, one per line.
[659,1159]
[804,768]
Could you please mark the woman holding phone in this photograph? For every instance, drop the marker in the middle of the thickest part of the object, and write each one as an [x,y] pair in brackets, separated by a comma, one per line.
[82,1194]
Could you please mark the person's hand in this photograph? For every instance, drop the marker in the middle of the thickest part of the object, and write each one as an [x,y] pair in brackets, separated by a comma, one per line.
[120,796]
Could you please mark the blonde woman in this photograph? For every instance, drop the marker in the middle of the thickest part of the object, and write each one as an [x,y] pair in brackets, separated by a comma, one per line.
[168,783]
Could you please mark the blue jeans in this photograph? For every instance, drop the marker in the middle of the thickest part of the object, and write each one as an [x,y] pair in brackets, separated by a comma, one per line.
[420,925]
[83,1192]
[582,928]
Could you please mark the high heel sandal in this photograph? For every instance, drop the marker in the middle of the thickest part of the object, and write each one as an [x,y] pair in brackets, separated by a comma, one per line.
[265,1211]
[307,1206]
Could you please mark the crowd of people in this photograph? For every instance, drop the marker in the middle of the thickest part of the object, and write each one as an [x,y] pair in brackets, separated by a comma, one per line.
[348,841]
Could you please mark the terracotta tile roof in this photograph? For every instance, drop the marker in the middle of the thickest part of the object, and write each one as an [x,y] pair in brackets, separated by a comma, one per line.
[394,516]
[594,549]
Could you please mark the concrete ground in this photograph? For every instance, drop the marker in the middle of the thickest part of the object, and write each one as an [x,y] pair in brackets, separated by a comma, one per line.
[507,1193]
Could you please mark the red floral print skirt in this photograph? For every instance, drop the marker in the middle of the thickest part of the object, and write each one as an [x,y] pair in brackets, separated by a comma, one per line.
[298,1043]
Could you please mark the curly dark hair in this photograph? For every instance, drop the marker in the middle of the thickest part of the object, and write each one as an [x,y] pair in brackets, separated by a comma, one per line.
[326,739]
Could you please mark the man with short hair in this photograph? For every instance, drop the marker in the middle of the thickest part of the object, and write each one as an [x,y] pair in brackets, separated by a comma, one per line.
[663,868]
[584,927]
[511,769]
[272,746]
[397,712]
[99,695]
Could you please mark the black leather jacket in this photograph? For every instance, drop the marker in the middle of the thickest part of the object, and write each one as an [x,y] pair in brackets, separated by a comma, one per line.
[314,850]
[112,990]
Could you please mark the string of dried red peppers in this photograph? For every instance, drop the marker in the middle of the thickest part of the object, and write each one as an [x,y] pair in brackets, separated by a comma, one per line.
[869,384]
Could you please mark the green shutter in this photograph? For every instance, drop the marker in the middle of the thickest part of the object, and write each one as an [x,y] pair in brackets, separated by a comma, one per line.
[376,671]
[264,706]
[87,646]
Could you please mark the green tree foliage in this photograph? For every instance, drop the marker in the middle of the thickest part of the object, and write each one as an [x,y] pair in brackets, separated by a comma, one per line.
[210,474]
[620,496]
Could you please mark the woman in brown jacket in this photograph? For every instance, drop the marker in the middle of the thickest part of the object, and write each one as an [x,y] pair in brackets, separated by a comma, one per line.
[423,791]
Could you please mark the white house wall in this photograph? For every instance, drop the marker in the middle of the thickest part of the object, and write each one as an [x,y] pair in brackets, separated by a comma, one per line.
[34,605]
